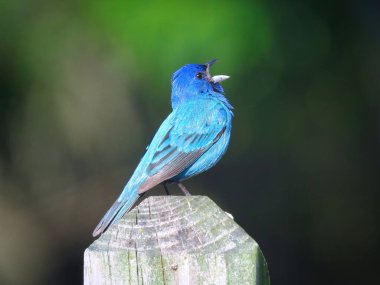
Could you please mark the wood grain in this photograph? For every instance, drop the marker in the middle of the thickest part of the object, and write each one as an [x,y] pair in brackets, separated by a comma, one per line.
[175,240]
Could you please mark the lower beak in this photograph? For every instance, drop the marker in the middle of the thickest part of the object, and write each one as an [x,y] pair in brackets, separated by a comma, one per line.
[219,78]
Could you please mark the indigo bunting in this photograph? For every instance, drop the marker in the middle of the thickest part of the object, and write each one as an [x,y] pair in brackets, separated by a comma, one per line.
[191,139]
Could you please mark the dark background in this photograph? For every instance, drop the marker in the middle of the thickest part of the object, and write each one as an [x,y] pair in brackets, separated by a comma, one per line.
[84,86]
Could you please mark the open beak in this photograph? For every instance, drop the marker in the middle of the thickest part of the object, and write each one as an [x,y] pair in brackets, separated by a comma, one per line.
[219,78]
[216,78]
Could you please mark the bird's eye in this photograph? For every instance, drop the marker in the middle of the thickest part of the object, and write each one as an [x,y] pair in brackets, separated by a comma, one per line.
[199,75]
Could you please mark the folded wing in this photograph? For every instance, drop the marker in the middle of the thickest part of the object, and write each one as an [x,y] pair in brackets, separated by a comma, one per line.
[186,135]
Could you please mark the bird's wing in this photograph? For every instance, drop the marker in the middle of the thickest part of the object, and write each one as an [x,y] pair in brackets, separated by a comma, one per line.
[186,135]
[189,131]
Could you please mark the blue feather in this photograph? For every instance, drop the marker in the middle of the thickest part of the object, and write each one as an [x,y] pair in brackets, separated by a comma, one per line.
[191,140]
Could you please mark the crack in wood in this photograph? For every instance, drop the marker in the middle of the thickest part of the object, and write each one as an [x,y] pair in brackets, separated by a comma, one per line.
[110,266]
[137,264]
[129,255]
[158,245]
[192,233]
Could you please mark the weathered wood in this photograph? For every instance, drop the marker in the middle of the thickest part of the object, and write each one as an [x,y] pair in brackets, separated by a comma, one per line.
[175,240]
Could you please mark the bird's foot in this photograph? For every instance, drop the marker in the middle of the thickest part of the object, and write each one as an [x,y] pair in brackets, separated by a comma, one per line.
[166,188]
[183,189]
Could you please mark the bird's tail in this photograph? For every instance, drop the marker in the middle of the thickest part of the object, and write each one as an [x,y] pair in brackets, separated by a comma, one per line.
[125,201]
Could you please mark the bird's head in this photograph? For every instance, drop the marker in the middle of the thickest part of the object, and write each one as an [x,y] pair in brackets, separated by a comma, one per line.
[195,80]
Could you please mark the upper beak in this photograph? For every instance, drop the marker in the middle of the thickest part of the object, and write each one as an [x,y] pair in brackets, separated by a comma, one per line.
[219,78]
[216,78]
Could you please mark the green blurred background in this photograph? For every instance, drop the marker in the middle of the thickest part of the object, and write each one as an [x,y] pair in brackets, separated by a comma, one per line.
[85,84]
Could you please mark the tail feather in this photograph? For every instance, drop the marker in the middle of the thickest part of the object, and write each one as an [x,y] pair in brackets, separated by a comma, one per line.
[124,203]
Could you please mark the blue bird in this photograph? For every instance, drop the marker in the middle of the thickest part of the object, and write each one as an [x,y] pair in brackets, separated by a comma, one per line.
[191,140]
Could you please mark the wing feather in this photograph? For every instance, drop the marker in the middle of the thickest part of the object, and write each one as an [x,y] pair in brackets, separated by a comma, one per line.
[188,137]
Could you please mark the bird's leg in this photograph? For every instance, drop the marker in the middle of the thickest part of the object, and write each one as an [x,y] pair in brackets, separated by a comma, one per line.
[183,189]
[166,188]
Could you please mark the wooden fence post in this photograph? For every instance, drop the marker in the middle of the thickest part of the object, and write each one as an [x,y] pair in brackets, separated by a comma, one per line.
[175,240]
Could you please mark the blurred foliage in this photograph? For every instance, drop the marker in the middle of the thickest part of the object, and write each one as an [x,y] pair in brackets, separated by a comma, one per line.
[85,84]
